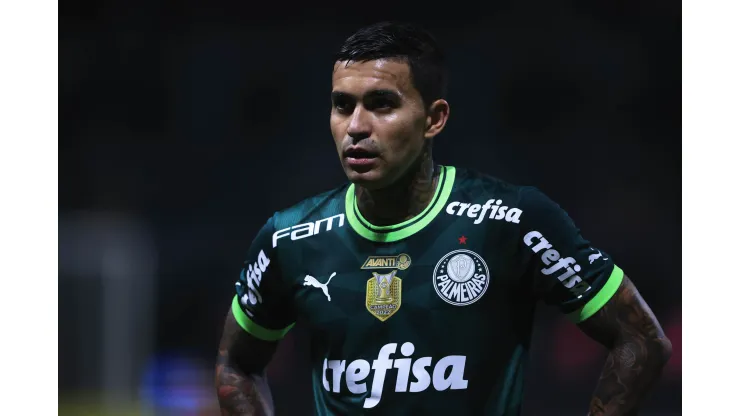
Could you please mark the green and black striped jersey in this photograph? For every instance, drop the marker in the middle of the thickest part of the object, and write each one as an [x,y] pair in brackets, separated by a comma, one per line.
[430,316]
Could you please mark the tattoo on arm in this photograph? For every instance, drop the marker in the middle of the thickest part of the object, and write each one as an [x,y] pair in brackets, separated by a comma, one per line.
[241,384]
[638,351]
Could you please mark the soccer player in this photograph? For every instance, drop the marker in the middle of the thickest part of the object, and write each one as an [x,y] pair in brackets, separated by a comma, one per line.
[417,282]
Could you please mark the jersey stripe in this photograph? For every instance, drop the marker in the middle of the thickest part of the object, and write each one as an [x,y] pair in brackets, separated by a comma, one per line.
[391,233]
[415,219]
[255,329]
[598,301]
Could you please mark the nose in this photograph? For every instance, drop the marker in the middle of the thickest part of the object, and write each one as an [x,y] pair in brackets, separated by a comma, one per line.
[360,125]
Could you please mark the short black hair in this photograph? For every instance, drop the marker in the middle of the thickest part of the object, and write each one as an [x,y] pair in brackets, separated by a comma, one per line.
[404,41]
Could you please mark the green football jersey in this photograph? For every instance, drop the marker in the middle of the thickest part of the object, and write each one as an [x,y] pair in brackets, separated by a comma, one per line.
[429,316]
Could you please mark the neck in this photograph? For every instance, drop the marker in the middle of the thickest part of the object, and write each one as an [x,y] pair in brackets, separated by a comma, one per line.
[404,199]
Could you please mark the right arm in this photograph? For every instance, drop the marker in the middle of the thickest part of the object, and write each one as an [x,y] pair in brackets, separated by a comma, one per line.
[241,382]
[261,314]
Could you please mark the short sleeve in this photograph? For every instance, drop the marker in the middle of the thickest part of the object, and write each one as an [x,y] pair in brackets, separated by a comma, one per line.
[562,267]
[263,305]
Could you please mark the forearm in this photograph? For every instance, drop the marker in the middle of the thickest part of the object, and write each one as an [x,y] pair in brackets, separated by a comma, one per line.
[241,394]
[632,368]
[638,351]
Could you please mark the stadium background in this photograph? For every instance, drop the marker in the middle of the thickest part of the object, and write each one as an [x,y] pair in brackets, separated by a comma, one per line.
[184,126]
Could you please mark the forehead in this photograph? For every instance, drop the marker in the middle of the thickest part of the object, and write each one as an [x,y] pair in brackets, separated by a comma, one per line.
[358,77]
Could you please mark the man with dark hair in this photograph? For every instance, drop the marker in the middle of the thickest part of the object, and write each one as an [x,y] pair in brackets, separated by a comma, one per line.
[418,282]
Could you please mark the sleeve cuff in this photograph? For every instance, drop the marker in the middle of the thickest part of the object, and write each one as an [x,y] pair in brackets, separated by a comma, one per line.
[253,328]
[601,298]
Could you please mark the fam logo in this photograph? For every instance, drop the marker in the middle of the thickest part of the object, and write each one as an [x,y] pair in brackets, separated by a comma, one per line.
[461,277]
[383,290]
[309,229]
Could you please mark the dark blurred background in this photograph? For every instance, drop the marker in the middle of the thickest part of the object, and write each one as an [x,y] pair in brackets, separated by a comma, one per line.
[185,125]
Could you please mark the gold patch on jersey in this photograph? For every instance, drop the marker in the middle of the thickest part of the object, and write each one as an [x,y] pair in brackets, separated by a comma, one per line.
[383,295]
[400,262]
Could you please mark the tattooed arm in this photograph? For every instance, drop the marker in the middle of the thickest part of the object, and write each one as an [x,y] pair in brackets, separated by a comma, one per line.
[241,382]
[565,269]
[638,350]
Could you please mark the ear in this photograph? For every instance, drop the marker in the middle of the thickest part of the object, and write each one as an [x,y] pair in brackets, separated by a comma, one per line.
[437,115]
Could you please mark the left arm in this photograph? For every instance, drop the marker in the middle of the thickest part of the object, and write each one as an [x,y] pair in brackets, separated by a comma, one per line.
[638,351]
[565,270]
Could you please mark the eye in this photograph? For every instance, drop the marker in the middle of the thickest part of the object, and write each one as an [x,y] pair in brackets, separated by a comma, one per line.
[382,105]
[342,105]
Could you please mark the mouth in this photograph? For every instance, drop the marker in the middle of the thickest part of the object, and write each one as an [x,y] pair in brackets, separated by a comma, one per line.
[359,157]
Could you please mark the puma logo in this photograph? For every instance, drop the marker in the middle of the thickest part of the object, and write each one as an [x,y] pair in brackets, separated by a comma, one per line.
[592,258]
[311,281]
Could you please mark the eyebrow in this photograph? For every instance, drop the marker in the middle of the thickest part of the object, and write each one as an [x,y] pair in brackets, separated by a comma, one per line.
[335,95]
[381,94]
[370,94]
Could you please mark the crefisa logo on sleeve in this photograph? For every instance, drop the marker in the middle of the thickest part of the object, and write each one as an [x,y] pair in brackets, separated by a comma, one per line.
[564,268]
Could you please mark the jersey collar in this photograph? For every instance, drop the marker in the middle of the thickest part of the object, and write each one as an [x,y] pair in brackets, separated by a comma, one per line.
[396,232]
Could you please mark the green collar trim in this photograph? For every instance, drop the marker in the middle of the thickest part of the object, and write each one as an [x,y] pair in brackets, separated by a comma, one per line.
[396,232]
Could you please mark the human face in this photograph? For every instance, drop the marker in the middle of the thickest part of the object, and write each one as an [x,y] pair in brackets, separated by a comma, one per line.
[378,121]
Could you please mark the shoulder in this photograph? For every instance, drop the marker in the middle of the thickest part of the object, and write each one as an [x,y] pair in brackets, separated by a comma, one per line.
[322,211]
[472,185]
[477,188]
[476,183]
[312,208]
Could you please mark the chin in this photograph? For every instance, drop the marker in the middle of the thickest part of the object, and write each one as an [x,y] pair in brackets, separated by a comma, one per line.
[372,179]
